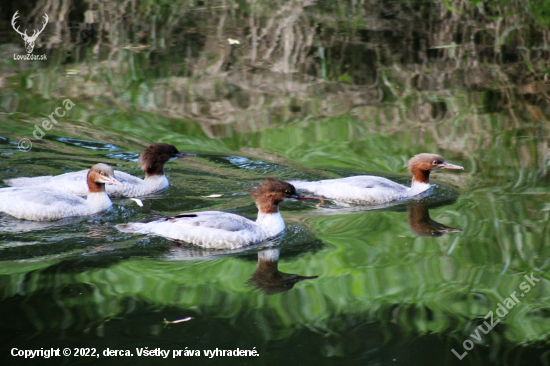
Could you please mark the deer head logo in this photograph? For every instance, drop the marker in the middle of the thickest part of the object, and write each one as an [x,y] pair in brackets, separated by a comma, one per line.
[29,41]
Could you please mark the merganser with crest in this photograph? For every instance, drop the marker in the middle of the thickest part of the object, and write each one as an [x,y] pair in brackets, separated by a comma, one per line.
[30,203]
[152,161]
[372,190]
[223,230]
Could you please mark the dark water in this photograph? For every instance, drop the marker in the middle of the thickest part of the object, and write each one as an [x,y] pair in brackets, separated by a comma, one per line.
[313,90]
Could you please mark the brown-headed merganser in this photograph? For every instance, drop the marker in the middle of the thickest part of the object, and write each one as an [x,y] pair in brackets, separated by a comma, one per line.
[223,230]
[372,190]
[42,204]
[152,161]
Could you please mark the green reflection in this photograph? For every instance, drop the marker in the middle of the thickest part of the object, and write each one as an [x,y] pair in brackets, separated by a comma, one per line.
[313,90]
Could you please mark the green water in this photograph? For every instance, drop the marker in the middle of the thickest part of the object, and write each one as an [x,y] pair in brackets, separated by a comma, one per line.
[313,90]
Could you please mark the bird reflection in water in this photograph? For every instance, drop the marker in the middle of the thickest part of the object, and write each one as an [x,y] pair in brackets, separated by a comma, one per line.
[420,222]
[267,277]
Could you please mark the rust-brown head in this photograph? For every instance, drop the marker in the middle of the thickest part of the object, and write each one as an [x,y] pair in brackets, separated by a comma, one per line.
[98,176]
[152,159]
[271,192]
[422,164]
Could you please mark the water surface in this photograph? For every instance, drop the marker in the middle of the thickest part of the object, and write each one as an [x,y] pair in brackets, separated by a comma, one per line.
[313,90]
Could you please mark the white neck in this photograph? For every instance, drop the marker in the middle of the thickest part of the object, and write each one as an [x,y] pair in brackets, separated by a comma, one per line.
[271,223]
[156,181]
[98,201]
[156,176]
[417,188]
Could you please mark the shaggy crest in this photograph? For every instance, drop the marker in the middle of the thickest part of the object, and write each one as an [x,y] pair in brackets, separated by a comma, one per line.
[103,168]
[270,193]
[95,172]
[272,187]
[424,161]
[420,166]
[152,159]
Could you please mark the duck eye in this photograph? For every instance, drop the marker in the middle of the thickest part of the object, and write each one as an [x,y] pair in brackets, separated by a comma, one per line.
[287,193]
[434,162]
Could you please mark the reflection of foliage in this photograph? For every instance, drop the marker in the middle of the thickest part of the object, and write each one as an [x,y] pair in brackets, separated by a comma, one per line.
[354,85]
[421,293]
[174,58]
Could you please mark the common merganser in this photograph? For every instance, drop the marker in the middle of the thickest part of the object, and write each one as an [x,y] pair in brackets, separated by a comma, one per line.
[223,230]
[31,203]
[152,161]
[267,276]
[372,190]
[420,222]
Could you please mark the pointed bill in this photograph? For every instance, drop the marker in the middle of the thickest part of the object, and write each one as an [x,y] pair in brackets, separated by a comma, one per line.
[112,180]
[446,165]
[302,197]
[184,155]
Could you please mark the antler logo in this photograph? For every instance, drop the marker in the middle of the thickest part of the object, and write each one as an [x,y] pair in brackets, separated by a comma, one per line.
[29,41]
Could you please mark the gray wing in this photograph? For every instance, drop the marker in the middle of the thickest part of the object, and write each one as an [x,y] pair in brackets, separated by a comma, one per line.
[74,182]
[366,181]
[362,189]
[47,180]
[359,181]
[127,178]
[38,196]
[213,219]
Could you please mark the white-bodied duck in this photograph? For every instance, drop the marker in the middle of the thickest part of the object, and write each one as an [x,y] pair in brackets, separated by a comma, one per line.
[372,190]
[152,161]
[42,204]
[223,230]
